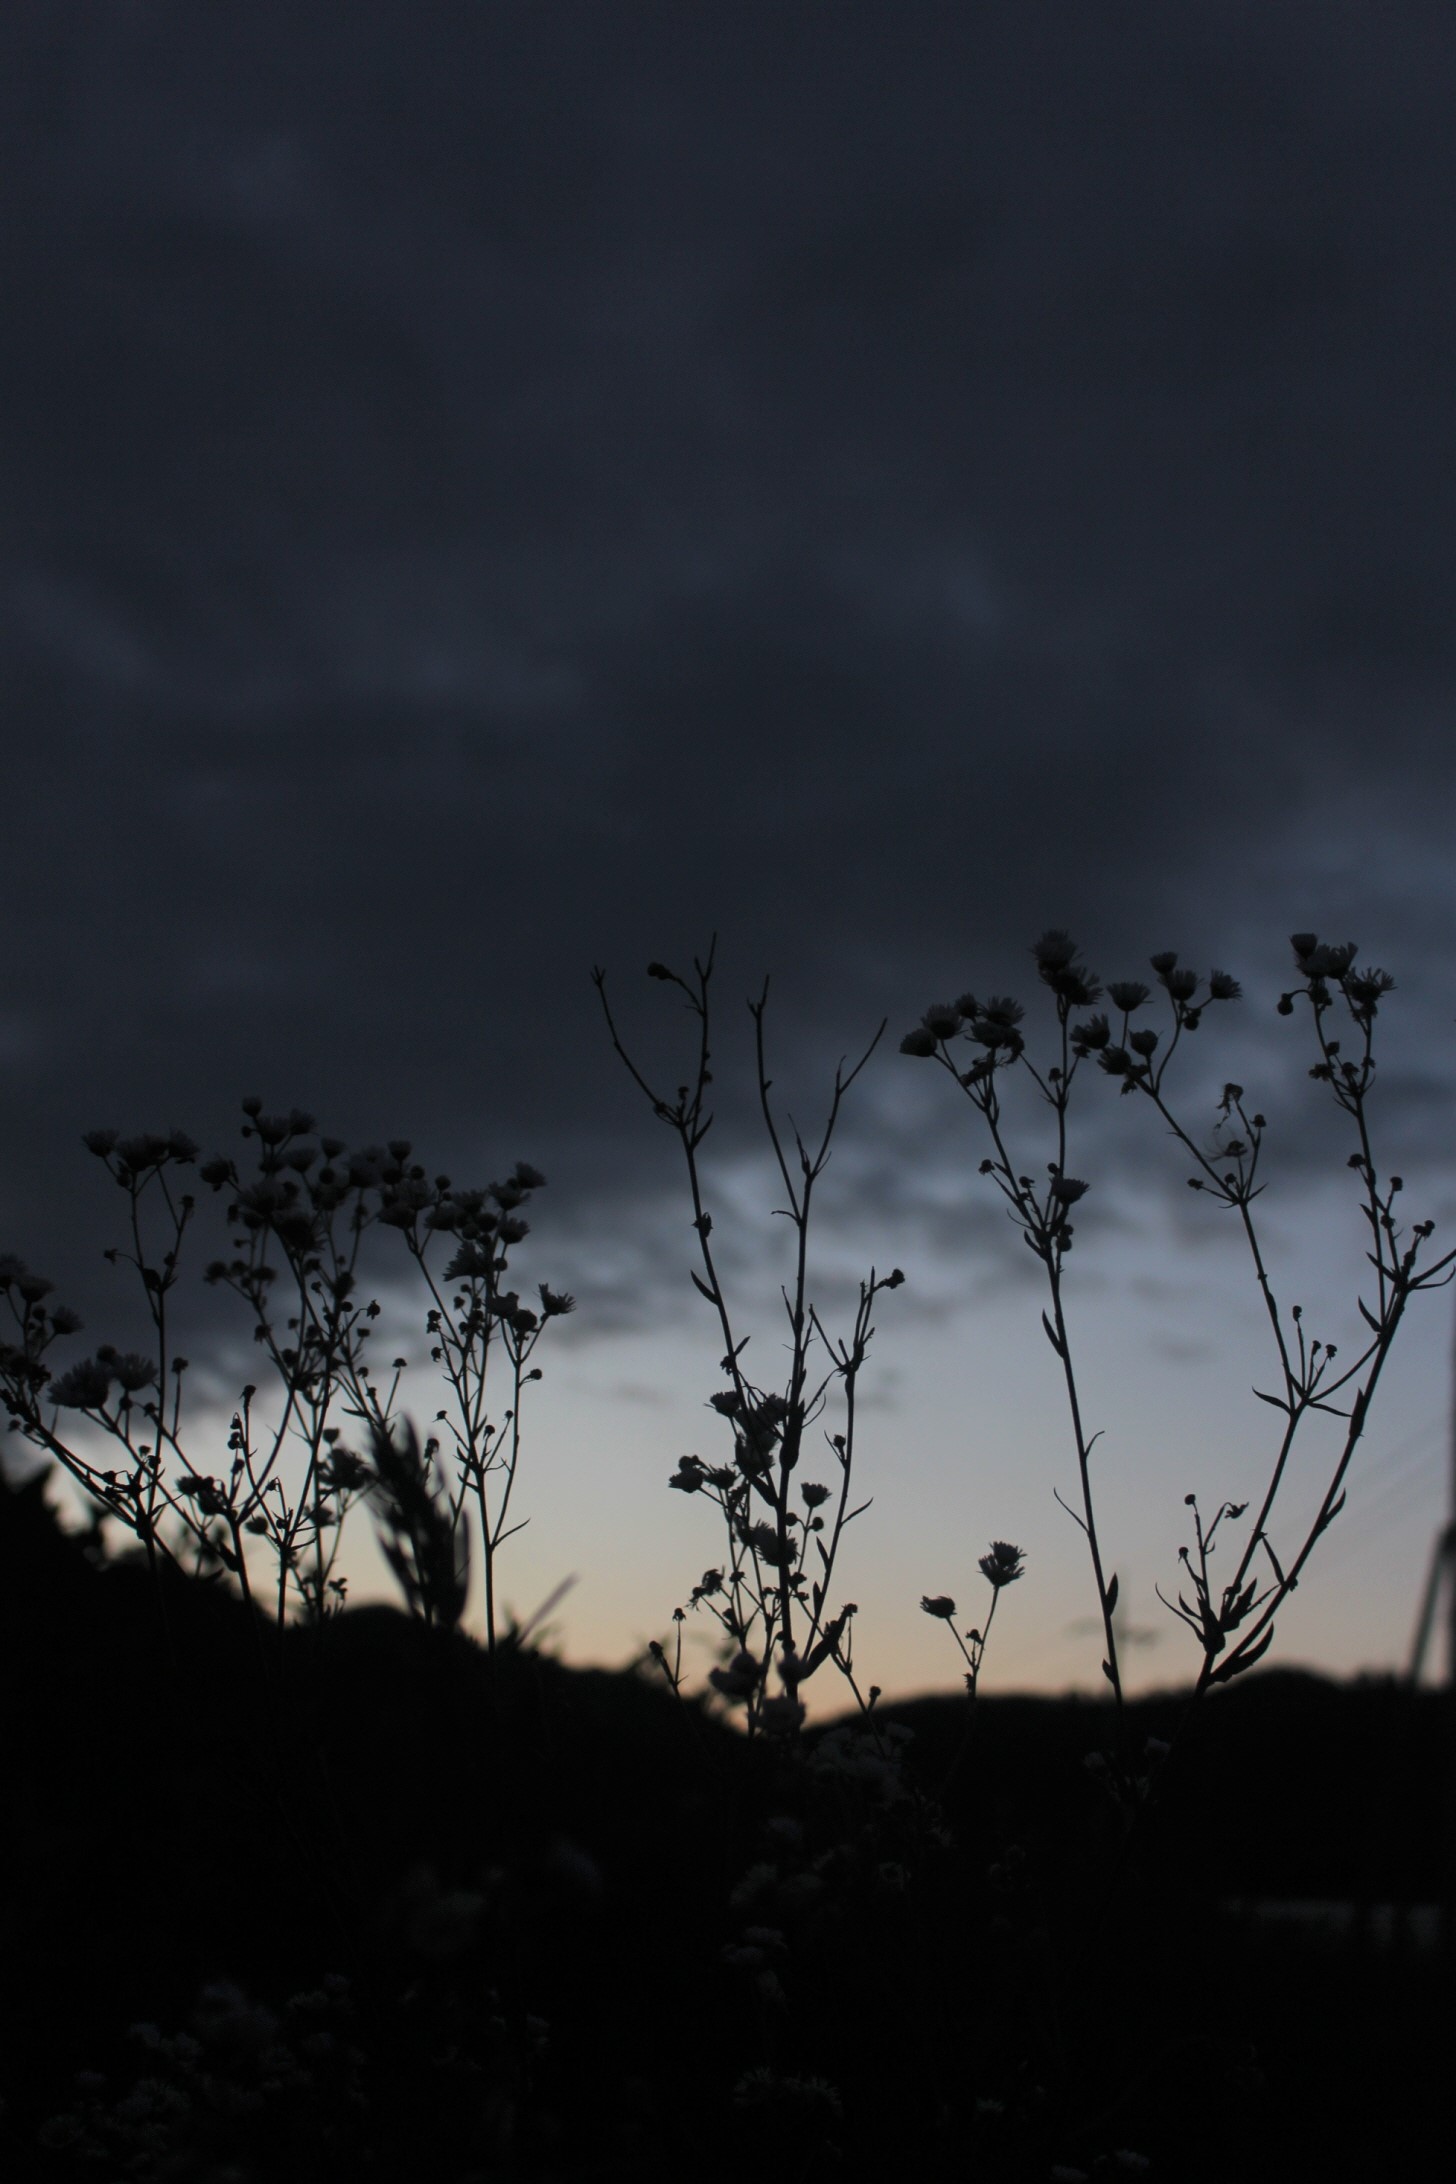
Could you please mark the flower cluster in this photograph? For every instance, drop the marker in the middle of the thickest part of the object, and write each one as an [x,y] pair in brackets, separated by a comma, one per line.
[1137,1056]
[299,1209]
[768,1591]
[1057,967]
[1129,1056]
[992,1024]
[1323,966]
[1001,1567]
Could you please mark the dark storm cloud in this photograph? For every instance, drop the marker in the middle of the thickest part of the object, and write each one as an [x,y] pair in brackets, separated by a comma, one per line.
[493,490]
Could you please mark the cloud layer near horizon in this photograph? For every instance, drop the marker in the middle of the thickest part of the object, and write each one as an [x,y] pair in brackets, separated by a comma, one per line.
[505,490]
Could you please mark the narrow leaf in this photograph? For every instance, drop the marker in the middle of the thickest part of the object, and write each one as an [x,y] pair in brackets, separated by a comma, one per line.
[1112,1593]
[1269,1551]
[703,1289]
[1236,1607]
[1052,1337]
[1277,1400]
[1107,1672]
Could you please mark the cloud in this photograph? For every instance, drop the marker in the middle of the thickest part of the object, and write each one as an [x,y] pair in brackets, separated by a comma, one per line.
[490,502]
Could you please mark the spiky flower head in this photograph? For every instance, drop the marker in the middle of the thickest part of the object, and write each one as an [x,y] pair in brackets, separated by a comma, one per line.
[1055,950]
[1367,987]
[1003,1565]
[85,1387]
[941,1020]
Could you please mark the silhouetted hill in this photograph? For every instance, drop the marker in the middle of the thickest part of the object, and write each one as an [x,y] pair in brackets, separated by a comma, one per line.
[442,1915]
[1284,1783]
[194,1801]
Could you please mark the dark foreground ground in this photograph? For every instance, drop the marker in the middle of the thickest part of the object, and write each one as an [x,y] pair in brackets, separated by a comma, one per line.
[365,1905]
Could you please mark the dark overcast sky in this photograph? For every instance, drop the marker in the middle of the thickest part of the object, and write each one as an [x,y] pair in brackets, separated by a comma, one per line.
[489,489]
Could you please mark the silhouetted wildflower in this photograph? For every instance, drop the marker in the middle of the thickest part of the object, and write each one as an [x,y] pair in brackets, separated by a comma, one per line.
[942,1021]
[84,1387]
[1003,1565]
[1055,950]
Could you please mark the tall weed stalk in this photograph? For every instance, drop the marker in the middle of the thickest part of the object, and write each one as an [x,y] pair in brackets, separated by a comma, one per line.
[1233,1624]
[299,1211]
